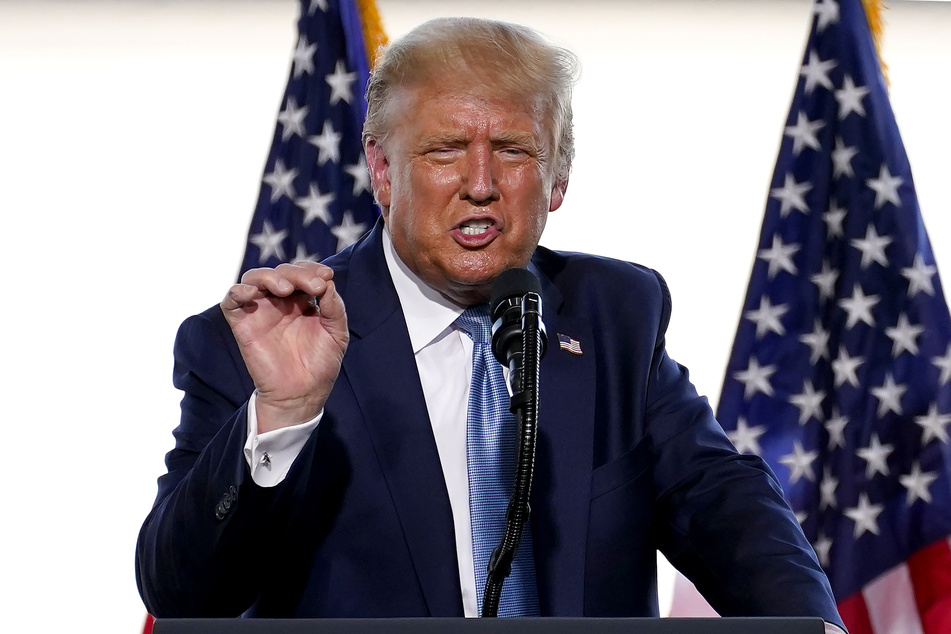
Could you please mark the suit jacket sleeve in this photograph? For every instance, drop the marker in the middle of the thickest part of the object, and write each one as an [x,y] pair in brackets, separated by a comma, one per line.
[191,557]
[723,519]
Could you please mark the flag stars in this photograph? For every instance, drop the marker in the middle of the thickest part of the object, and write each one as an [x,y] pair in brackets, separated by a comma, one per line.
[889,396]
[865,515]
[933,425]
[904,336]
[269,242]
[799,463]
[885,187]
[809,402]
[767,317]
[348,231]
[803,133]
[818,342]
[779,257]
[316,206]
[833,218]
[835,427]
[825,280]
[281,181]
[746,438]
[328,144]
[341,84]
[875,457]
[291,119]
[919,277]
[944,364]
[872,247]
[303,60]
[303,255]
[317,4]
[816,72]
[842,156]
[827,488]
[360,174]
[755,378]
[859,307]
[791,195]
[844,368]
[823,547]
[850,98]
[826,12]
[918,484]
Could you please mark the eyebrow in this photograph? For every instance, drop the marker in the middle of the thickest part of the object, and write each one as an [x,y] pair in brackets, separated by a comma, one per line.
[460,138]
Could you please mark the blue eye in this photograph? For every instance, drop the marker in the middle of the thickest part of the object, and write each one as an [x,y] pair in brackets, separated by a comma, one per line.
[444,152]
[513,152]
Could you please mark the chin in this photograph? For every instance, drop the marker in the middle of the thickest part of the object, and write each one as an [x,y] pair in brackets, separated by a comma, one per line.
[472,277]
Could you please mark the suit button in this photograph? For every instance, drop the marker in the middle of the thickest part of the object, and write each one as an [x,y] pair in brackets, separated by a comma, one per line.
[226,502]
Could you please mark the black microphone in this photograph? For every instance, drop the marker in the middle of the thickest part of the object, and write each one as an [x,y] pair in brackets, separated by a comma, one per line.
[516,296]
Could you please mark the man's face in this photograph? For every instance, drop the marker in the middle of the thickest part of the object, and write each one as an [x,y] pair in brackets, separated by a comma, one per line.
[466,183]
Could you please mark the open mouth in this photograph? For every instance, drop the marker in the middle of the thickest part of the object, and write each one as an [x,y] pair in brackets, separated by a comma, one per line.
[476,227]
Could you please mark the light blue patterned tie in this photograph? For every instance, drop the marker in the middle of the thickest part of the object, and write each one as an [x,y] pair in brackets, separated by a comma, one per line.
[491,447]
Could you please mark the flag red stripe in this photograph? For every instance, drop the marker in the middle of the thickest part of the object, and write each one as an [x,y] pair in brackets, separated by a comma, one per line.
[147,628]
[854,614]
[930,570]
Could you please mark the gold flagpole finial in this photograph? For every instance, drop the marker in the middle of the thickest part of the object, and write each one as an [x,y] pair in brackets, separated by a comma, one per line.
[373,34]
[874,10]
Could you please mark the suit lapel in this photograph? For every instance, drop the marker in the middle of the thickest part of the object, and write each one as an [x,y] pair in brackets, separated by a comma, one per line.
[397,420]
[561,489]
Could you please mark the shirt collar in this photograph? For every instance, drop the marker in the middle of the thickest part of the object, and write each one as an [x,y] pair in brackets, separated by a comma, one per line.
[427,312]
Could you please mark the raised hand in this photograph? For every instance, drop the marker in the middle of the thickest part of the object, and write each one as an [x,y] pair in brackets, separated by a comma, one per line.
[291,327]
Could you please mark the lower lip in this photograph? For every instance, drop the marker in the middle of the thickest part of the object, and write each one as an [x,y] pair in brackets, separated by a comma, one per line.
[475,241]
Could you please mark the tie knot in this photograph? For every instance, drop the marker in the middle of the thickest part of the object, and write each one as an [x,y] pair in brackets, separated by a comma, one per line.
[477,323]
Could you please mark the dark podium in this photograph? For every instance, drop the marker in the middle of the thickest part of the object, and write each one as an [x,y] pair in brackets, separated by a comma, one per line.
[751,625]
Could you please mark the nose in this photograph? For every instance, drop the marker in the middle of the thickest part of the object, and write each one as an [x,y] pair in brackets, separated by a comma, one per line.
[479,180]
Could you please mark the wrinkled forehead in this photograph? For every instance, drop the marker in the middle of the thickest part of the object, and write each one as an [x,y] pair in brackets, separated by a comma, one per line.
[449,95]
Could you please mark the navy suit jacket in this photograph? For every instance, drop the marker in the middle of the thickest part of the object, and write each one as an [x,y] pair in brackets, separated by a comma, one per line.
[629,459]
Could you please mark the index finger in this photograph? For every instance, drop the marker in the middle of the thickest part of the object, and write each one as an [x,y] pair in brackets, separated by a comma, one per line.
[308,277]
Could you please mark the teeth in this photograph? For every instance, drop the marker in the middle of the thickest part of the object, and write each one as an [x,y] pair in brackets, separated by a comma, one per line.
[475,227]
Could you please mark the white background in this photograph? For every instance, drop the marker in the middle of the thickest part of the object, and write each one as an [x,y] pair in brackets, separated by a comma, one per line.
[132,140]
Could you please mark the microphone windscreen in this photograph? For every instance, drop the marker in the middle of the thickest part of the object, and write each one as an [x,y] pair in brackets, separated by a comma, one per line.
[513,283]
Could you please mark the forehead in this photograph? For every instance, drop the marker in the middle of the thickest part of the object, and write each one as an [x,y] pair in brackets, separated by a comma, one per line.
[448,105]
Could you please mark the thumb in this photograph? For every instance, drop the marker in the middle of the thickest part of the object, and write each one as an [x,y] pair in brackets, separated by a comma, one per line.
[333,313]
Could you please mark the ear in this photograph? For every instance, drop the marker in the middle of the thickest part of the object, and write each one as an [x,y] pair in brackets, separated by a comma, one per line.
[558,189]
[379,168]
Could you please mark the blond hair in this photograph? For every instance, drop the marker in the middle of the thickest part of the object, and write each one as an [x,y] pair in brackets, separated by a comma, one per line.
[510,59]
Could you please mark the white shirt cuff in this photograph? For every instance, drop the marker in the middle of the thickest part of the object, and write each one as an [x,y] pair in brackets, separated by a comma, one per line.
[271,454]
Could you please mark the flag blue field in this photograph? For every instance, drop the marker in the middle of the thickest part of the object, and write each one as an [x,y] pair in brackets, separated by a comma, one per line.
[315,197]
[840,374]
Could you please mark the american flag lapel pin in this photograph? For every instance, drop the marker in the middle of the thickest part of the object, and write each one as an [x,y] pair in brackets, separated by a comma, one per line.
[567,343]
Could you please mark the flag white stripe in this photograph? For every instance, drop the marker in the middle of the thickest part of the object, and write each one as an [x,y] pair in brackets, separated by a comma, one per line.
[891,603]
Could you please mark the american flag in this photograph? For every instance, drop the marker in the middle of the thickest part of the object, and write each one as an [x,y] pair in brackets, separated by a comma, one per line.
[315,198]
[840,375]
[567,343]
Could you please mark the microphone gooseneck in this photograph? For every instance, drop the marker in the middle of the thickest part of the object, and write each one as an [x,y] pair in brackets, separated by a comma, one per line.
[518,341]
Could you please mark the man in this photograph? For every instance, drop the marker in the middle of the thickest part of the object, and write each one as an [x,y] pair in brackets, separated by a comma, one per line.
[320,466]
